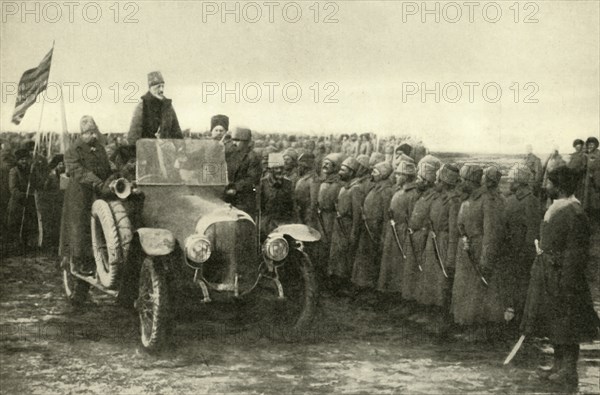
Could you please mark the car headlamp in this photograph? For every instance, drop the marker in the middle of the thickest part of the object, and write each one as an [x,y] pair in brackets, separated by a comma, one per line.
[276,248]
[197,248]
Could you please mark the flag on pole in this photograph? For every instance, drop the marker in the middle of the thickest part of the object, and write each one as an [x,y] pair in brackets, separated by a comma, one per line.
[32,83]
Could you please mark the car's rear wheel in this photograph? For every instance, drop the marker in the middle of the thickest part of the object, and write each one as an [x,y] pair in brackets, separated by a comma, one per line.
[153,304]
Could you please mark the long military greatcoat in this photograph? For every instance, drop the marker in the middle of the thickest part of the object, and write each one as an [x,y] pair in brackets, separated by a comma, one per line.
[559,305]
[523,216]
[305,199]
[481,219]
[365,270]
[86,165]
[433,288]
[392,262]
[344,240]
[419,223]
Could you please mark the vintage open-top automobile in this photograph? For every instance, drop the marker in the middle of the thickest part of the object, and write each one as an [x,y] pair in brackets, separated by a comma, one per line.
[170,232]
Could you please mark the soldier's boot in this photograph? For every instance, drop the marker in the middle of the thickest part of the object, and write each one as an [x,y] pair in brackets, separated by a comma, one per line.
[82,266]
[567,373]
[545,372]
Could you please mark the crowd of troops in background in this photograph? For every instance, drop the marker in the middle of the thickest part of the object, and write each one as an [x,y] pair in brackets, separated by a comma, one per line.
[449,243]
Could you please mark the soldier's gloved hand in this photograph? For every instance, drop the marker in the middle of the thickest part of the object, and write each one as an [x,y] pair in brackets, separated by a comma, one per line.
[102,189]
[509,314]
[230,192]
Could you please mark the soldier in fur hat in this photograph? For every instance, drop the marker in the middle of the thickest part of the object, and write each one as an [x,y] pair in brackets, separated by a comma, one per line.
[418,227]
[393,258]
[523,215]
[365,271]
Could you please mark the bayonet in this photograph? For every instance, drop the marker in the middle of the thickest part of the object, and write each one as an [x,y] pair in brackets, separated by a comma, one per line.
[437,249]
[395,232]
[467,249]
[338,218]
[412,245]
[320,217]
[364,218]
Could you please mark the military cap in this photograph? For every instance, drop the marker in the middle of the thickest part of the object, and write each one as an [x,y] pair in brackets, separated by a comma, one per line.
[520,173]
[306,159]
[28,145]
[155,78]
[351,163]
[336,158]
[448,173]
[87,124]
[292,153]
[492,173]
[578,142]
[275,160]
[363,160]
[219,119]
[242,134]
[592,140]
[384,168]
[56,159]
[408,168]
[376,157]
[471,172]
[21,153]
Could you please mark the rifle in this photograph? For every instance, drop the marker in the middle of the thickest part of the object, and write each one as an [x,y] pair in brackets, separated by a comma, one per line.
[395,231]
[338,218]
[461,228]
[437,249]
[320,217]
[412,245]
[364,218]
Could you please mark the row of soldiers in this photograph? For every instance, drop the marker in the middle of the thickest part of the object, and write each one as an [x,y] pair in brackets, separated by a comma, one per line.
[431,234]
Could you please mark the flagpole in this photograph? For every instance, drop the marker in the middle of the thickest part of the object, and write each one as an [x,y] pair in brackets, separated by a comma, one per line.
[35,146]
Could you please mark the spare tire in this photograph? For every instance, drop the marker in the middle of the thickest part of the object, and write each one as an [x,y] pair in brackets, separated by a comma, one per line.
[111,237]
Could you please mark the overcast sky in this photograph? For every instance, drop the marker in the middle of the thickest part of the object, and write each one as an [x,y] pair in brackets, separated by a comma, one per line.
[368,63]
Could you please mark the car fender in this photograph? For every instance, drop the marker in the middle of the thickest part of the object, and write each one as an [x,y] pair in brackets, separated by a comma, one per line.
[299,232]
[156,241]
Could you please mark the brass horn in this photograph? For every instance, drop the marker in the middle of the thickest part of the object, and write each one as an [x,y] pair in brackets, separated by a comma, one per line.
[121,187]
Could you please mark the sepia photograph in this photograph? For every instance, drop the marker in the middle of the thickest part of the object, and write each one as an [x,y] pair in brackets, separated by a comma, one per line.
[300,197]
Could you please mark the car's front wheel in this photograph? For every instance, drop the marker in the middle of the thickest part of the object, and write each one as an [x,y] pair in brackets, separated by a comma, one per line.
[292,314]
[153,303]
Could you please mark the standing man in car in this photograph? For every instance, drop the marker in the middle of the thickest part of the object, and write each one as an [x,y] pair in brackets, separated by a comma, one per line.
[154,116]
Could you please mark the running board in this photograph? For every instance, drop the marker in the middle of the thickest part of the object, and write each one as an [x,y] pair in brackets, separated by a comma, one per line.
[93,280]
